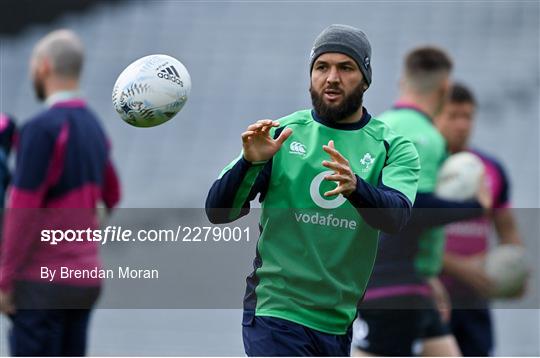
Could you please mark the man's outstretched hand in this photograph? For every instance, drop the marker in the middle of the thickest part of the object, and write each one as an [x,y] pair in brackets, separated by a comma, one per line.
[258,145]
[343,173]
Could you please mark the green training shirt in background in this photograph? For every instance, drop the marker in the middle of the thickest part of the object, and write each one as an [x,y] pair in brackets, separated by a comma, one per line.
[431,146]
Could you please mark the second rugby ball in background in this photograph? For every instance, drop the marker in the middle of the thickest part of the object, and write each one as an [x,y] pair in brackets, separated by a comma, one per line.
[460,177]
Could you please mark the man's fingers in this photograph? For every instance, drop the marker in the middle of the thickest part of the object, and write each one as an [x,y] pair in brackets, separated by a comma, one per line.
[259,129]
[248,133]
[263,126]
[257,126]
[266,124]
[286,133]
[266,128]
[337,167]
[254,127]
[336,191]
[263,123]
[334,153]
[337,177]
[246,136]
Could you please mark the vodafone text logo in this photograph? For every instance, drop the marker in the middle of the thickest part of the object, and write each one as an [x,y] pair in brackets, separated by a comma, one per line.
[316,196]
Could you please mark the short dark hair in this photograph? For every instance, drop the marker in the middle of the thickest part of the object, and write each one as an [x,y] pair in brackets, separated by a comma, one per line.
[426,67]
[459,93]
[427,59]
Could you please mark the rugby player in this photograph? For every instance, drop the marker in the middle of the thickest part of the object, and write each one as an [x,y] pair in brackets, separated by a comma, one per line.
[63,166]
[400,314]
[467,242]
[318,240]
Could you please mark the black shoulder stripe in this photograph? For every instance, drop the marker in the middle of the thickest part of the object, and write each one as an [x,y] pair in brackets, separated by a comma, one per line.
[387,147]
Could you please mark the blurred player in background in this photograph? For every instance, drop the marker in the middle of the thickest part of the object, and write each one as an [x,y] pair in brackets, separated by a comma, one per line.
[63,163]
[399,315]
[7,136]
[467,241]
[318,241]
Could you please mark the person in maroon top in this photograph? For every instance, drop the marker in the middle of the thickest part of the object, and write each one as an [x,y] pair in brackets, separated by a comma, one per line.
[63,171]
[468,242]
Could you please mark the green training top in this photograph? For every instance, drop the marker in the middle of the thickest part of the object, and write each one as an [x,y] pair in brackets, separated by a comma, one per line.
[315,254]
[431,146]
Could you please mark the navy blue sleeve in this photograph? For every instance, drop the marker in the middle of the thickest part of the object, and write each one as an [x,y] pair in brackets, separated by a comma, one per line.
[4,176]
[382,207]
[34,152]
[503,197]
[430,210]
[220,199]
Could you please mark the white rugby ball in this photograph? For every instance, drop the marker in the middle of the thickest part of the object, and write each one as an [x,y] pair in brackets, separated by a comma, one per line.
[507,267]
[460,177]
[151,90]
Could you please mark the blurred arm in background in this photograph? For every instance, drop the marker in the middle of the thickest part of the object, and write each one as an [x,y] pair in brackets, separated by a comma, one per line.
[470,270]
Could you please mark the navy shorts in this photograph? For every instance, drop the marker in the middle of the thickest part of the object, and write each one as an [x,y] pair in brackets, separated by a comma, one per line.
[39,329]
[473,331]
[49,332]
[394,331]
[271,336]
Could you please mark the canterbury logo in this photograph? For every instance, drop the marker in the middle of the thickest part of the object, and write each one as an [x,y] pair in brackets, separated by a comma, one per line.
[170,73]
[297,148]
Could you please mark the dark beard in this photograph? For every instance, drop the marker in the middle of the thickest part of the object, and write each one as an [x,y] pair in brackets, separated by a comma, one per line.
[39,90]
[350,104]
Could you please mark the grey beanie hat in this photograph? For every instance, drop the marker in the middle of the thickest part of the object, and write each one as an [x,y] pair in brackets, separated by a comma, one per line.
[347,40]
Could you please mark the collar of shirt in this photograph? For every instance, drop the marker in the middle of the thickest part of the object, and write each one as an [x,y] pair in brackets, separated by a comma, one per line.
[412,106]
[62,96]
[345,126]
